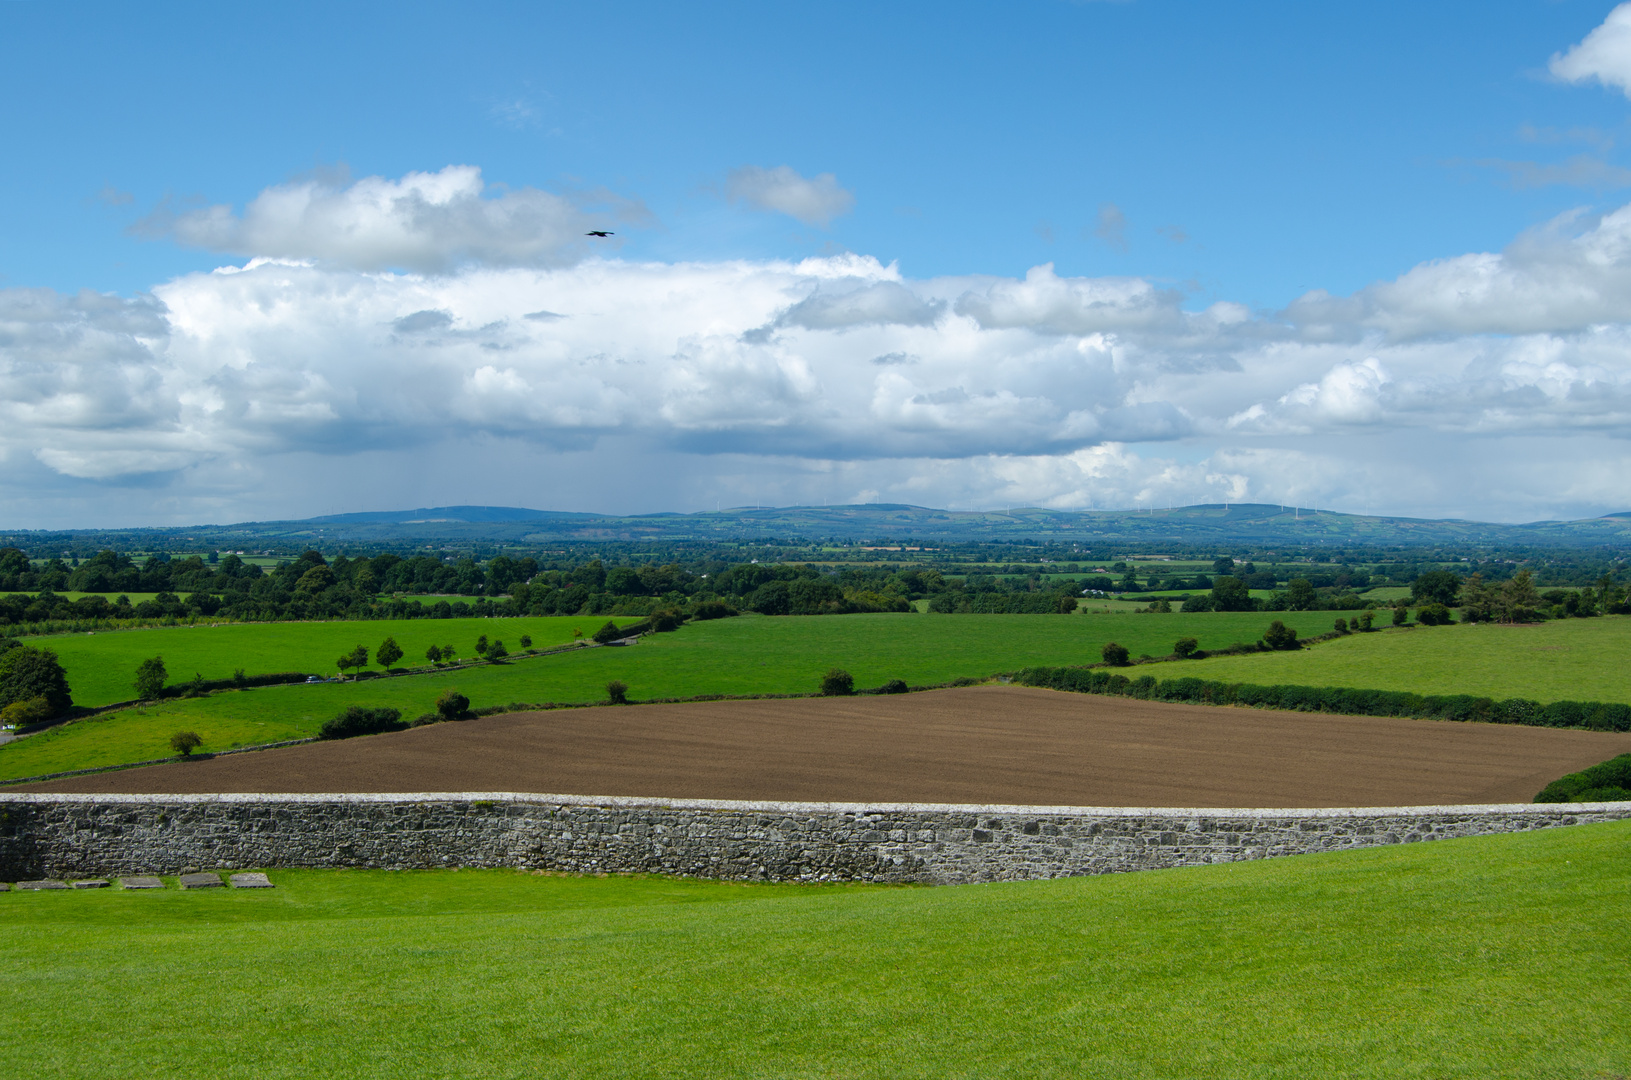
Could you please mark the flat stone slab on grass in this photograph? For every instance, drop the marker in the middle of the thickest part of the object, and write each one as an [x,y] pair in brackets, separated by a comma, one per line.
[143,882]
[37,886]
[90,883]
[201,881]
[251,881]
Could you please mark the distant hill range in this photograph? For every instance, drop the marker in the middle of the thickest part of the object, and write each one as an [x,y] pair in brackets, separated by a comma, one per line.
[1210,525]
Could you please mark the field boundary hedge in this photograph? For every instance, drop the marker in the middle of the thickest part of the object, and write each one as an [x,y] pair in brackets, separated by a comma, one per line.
[1343,700]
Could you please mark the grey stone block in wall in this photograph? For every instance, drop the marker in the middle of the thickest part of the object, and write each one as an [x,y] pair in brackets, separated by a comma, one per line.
[72,835]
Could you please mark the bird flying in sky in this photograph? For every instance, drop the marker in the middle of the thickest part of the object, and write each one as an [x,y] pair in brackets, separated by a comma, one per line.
[597,232]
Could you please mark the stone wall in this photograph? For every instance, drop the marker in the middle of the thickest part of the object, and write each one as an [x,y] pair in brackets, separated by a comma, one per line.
[100,835]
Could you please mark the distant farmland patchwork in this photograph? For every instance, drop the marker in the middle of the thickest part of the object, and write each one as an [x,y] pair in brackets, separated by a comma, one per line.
[760,655]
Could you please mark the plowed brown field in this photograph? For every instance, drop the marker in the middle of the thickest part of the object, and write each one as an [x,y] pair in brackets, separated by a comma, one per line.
[978,745]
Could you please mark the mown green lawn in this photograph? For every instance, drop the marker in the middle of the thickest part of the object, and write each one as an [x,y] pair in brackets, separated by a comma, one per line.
[102,666]
[1569,659]
[746,655]
[1492,957]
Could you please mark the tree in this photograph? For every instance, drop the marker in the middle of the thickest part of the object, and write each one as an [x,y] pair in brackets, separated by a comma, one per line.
[449,654]
[1116,655]
[21,714]
[1519,598]
[388,653]
[1223,565]
[1341,626]
[150,676]
[1365,621]
[1230,594]
[617,691]
[496,651]
[837,683]
[1436,587]
[1186,647]
[1280,636]
[481,645]
[1479,599]
[609,632]
[452,705]
[185,742]
[27,673]
[434,654]
[1300,595]
[356,658]
[1401,613]
[526,641]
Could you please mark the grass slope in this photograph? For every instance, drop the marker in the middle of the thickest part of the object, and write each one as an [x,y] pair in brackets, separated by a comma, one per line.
[1480,958]
[745,655]
[1570,659]
[102,666]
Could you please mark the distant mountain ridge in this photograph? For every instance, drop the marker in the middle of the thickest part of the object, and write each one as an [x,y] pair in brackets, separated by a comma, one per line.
[1215,525]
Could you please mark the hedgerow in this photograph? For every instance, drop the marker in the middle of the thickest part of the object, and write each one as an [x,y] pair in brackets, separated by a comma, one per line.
[1347,701]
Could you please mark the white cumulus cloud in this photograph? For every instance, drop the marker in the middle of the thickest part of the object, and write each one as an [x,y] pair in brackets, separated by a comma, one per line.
[1604,54]
[814,200]
[426,221]
[818,380]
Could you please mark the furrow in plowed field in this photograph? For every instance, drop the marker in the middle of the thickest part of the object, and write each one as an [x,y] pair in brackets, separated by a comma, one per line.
[974,745]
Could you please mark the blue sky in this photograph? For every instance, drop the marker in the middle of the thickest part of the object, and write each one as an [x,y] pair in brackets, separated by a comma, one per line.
[1082,230]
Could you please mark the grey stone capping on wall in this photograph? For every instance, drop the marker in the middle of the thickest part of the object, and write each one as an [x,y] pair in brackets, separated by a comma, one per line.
[63,834]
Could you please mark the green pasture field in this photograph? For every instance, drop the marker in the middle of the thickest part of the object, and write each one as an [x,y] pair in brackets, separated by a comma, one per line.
[102,666]
[746,655]
[1567,659]
[1500,956]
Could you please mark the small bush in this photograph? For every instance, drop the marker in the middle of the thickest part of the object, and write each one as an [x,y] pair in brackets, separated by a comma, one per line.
[1186,647]
[34,710]
[357,720]
[526,641]
[837,683]
[894,686]
[617,691]
[1341,626]
[714,609]
[1608,782]
[1365,622]
[1280,636]
[426,718]
[185,742]
[1116,654]
[453,705]
[666,620]
[1401,615]
[609,632]
[1434,615]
